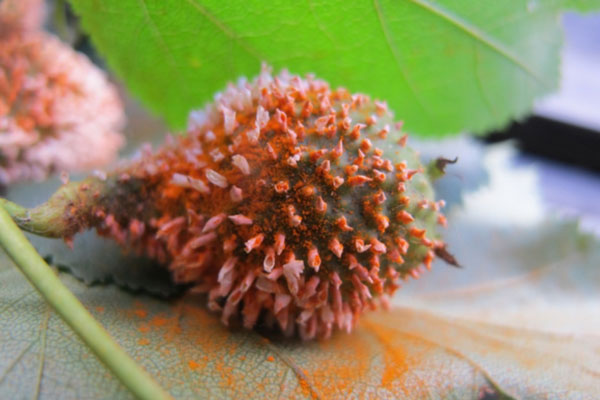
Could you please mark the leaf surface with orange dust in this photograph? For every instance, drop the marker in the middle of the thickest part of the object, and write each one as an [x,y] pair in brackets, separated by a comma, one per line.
[519,320]
[526,328]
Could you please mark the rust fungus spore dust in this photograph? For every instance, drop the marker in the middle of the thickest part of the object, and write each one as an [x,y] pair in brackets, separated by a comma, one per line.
[287,203]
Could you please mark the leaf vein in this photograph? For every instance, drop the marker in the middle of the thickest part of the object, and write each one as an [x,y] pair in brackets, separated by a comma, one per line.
[479,81]
[15,301]
[480,36]
[297,371]
[158,35]
[396,56]
[373,327]
[43,334]
[227,31]
[14,362]
[497,284]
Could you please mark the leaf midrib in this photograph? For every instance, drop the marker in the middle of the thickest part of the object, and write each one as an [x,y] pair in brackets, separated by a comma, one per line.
[479,35]
[226,30]
[435,9]
[372,327]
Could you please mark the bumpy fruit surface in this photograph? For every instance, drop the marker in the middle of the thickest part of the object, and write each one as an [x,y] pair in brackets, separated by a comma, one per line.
[289,204]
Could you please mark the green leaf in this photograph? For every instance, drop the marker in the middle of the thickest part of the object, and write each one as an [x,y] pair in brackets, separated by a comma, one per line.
[581,5]
[519,320]
[444,66]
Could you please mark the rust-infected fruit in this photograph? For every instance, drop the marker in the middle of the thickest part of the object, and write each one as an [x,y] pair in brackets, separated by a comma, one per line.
[287,203]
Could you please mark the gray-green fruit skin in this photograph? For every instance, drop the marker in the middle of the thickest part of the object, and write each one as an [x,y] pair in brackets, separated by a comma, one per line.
[286,201]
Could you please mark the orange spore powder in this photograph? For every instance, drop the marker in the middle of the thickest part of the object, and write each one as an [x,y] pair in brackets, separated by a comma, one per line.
[205,352]
[287,203]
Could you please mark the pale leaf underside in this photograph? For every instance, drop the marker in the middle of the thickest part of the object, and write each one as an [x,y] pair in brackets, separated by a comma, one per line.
[456,334]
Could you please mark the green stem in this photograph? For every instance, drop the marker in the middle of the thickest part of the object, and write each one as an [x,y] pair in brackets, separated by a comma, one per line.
[66,305]
[67,212]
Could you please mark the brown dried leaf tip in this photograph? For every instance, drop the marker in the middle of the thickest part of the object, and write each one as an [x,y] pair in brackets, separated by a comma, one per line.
[287,203]
[57,110]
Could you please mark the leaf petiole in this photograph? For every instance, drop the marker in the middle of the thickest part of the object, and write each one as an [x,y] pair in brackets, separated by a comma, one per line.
[68,307]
